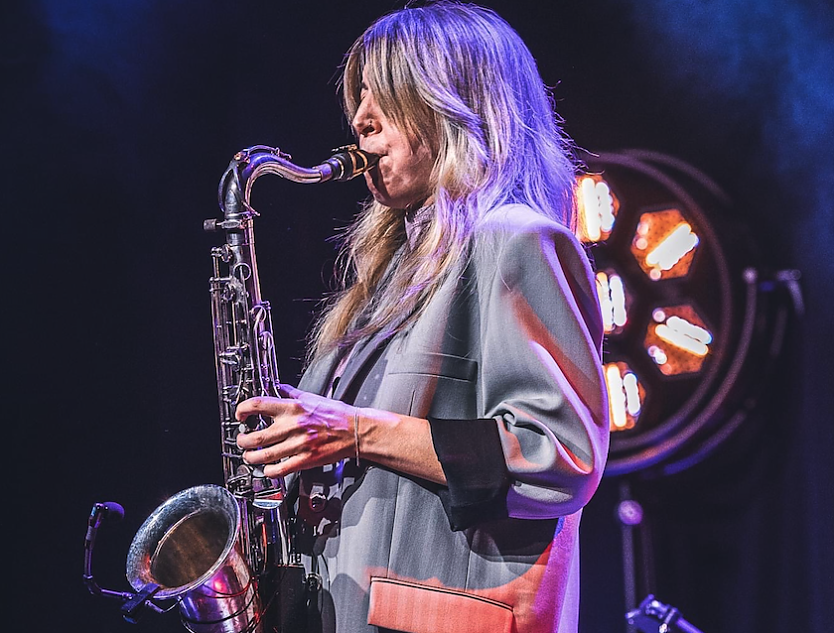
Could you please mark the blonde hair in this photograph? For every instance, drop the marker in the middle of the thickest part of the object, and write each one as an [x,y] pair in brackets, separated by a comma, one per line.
[459,77]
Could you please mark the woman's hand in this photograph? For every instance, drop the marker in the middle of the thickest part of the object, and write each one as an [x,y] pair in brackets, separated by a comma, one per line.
[307,431]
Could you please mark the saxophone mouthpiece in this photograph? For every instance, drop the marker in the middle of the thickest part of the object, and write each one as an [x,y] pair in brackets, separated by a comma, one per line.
[348,162]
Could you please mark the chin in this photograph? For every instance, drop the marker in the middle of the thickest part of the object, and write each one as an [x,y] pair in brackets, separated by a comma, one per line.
[383,200]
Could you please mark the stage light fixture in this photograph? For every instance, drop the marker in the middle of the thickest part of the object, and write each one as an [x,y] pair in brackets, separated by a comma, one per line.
[664,244]
[690,318]
[678,341]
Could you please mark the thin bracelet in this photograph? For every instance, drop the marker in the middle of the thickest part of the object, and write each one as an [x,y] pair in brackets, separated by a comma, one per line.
[356,434]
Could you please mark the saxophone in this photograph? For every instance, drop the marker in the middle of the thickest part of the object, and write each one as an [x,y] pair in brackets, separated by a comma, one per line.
[226,554]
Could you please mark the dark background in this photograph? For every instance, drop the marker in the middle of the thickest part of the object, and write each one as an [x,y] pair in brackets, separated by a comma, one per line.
[118,118]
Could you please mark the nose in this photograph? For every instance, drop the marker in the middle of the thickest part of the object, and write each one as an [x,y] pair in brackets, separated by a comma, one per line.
[364,123]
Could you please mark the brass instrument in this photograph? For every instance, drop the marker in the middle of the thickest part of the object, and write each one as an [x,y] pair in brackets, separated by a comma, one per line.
[226,554]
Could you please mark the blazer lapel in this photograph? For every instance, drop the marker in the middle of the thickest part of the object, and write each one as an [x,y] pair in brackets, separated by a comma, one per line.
[362,353]
[319,374]
[317,377]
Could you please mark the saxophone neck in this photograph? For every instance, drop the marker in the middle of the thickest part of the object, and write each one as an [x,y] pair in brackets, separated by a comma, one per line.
[249,164]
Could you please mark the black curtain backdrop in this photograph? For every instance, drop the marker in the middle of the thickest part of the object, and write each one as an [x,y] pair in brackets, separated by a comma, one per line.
[118,118]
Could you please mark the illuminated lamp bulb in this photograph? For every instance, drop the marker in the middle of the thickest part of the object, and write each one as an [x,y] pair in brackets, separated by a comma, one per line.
[658,355]
[597,209]
[664,244]
[673,247]
[625,396]
[618,301]
[685,335]
[679,341]
[631,387]
[590,205]
[604,294]
[612,299]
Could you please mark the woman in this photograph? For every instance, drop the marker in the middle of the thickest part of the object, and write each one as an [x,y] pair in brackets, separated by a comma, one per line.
[452,421]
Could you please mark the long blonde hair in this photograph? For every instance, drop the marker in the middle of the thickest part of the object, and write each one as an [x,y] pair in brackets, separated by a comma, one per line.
[461,79]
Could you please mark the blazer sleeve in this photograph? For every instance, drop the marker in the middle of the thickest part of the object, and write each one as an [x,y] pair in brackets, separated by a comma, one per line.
[541,386]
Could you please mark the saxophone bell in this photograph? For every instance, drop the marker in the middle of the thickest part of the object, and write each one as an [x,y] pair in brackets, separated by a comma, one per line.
[190,547]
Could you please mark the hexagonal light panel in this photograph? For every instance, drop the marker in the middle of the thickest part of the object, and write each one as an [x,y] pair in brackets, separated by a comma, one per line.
[625,395]
[614,300]
[597,208]
[678,341]
[664,244]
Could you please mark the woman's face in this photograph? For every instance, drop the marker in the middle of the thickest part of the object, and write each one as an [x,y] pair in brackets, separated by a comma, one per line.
[401,178]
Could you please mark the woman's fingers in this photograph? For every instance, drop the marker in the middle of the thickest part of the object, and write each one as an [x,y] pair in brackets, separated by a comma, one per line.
[264,405]
[275,408]
[265,449]
[307,430]
[272,434]
[289,391]
[289,465]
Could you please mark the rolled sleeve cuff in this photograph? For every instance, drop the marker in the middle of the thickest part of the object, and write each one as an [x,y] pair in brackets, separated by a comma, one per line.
[476,473]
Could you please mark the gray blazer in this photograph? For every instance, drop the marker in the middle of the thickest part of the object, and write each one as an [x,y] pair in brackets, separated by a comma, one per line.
[514,339]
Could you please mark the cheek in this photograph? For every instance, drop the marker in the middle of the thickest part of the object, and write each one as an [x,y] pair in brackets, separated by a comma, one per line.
[422,162]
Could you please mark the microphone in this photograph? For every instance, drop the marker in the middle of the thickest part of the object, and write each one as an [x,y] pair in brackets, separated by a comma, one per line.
[109,511]
[106,511]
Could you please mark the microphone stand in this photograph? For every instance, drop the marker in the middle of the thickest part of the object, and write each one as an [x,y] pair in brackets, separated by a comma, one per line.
[658,617]
[132,603]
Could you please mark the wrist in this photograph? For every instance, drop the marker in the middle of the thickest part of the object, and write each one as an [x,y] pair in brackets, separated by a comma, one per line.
[356,450]
[372,432]
[398,442]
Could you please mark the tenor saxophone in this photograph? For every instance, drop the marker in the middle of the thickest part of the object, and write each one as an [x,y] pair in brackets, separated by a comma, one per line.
[226,554]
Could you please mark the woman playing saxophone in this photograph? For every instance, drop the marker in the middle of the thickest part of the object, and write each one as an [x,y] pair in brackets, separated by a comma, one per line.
[452,419]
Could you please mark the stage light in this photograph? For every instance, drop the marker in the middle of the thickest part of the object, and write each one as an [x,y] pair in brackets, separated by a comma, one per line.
[598,208]
[664,244]
[678,341]
[613,300]
[626,396]
[689,316]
